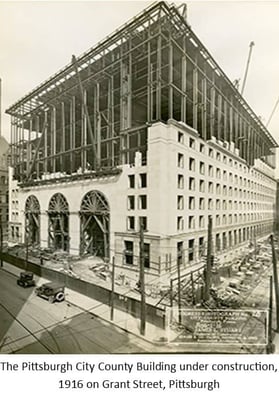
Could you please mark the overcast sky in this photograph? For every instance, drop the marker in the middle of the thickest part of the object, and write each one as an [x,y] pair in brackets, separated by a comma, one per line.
[38,38]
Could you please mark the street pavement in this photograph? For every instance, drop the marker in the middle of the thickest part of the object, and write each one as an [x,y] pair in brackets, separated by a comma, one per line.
[30,324]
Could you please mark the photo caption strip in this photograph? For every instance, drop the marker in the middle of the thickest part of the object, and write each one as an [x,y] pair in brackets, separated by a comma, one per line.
[150,374]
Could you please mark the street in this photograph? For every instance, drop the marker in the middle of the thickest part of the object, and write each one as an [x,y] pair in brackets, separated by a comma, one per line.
[31,325]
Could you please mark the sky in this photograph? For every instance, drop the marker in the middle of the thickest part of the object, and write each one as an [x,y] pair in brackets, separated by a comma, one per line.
[38,38]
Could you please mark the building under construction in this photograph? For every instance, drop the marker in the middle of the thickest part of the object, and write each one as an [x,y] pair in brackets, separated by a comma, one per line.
[144,128]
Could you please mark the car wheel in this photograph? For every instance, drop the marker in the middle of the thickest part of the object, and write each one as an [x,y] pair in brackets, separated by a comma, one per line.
[59,297]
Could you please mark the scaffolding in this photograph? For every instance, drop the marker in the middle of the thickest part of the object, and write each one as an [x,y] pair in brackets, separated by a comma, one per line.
[93,114]
[32,220]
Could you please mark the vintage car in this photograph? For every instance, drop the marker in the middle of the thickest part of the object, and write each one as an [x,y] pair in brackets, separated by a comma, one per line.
[52,291]
[26,279]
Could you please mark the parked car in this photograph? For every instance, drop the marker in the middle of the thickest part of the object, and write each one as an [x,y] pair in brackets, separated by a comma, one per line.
[52,291]
[26,279]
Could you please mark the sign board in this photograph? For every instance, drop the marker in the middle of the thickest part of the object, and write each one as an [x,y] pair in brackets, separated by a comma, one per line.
[220,326]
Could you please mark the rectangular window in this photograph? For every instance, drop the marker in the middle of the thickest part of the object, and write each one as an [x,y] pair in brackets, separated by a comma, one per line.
[143,222]
[180,202]
[131,202]
[191,203]
[191,222]
[180,137]
[180,160]
[143,180]
[210,171]
[142,202]
[201,204]
[210,187]
[202,168]
[224,240]
[191,184]
[180,181]
[146,255]
[202,186]
[202,148]
[192,143]
[131,223]
[224,205]
[201,247]
[191,164]
[218,243]
[129,252]
[180,225]
[210,152]
[180,252]
[201,221]
[191,245]
[131,181]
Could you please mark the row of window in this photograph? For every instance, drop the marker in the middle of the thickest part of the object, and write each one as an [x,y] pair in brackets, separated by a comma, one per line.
[141,202]
[193,144]
[226,220]
[14,232]
[129,255]
[226,204]
[219,189]
[132,223]
[224,175]
[140,182]
[196,248]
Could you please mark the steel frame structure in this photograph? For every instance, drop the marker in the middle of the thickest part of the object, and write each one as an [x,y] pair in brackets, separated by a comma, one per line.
[93,114]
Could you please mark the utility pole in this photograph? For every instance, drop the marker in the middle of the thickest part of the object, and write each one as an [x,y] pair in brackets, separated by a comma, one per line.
[269,348]
[1,242]
[179,290]
[112,289]
[275,278]
[208,269]
[142,281]
[26,241]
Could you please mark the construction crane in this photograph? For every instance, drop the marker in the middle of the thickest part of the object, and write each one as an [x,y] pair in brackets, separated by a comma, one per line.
[272,113]
[251,45]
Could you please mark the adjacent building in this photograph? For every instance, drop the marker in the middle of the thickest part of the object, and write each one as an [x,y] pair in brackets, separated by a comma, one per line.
[143,129]
[4,193]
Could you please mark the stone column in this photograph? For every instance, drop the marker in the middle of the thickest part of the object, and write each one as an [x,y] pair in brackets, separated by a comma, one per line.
[74,233]
[44,229]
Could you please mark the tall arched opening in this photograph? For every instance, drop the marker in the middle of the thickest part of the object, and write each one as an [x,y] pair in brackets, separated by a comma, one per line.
[58,222]
[94,225]
[32,220]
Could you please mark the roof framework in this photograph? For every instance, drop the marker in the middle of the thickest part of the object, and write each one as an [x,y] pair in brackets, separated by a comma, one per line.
[92,114]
